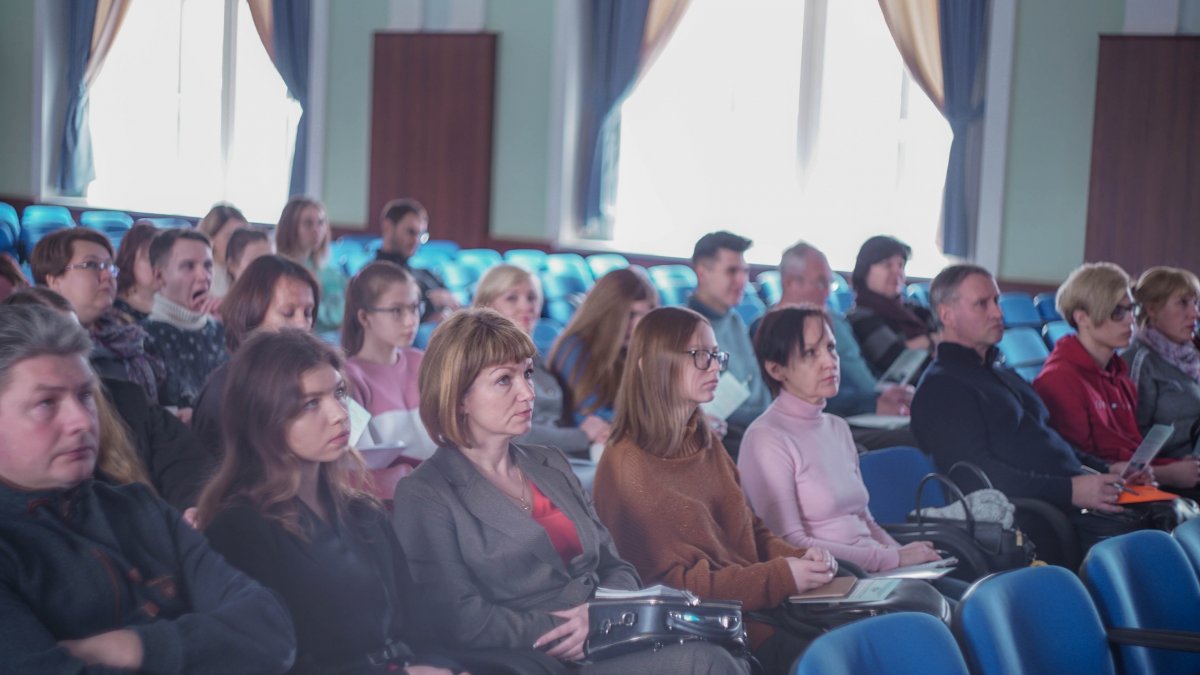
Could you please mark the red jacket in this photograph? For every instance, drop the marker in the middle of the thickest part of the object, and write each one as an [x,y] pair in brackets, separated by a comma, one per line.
[1094,409]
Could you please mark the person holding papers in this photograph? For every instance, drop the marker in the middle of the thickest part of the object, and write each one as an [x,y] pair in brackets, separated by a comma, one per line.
[1086,386]
[799,464]
[670,494]
[883,321]
[283,510]
[501,538]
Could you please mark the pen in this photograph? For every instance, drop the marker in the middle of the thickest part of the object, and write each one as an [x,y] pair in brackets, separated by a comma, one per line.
[1120,485]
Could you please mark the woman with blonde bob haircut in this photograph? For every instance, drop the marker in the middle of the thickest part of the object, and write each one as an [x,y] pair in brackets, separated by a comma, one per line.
[1086,386]
[1163,360]
[500,536]
[589,356]
[668,490]
[516,293]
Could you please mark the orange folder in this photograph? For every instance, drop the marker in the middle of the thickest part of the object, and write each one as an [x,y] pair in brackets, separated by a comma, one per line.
[1144,493]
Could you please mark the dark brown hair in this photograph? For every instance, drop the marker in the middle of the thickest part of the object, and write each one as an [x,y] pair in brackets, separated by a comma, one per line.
[238,241]
[262,397]
[164,241]
[397,209]
[137,238]
[363,293]
[246,304]
[53,252]
[780,337]
[10,271]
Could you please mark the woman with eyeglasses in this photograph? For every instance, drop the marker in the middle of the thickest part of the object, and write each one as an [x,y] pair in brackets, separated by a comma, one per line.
[1086,386]
[1163,361]
[668,491]
[77,263]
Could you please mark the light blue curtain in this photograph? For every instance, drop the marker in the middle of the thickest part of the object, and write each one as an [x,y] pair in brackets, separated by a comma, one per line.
[964,39]
[75,166]
[617,32]
[291,23]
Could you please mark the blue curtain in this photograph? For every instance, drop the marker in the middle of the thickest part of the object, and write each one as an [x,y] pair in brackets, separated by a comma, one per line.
[964,33]
[617,30]
[75,166]
[291,23]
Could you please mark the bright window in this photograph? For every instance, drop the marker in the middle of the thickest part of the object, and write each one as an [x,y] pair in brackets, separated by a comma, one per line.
[189,111]
[709,138]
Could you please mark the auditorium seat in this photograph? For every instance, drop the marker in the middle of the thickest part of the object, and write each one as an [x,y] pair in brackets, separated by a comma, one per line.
[674,282]
[479,258]
[10,231]
[918,292]
[770,287]
[1045,307]
[1019,311]
[751,307]
[424,331]
[39,220]
[1054,331]
[872,646]
[545,332]
[166,222]
[440,247]
[1188,536]
[570,265]
[530,258]
[1024,351]
[603,263]
[891,476]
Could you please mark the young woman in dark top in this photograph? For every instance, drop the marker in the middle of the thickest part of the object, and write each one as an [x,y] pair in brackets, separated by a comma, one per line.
[282,508]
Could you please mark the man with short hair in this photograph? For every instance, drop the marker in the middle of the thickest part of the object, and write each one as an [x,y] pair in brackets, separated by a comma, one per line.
[968,408]
[190,342]
[404,226]
[806,277]
[721,278]
[96,577]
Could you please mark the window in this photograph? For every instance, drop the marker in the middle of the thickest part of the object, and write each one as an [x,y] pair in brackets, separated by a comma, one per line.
[188,110]
[710,137]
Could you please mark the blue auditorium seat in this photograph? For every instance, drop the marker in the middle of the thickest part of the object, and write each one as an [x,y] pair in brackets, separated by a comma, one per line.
[529,258]
[1045,307]
[424,332]
[751,307]
[770,286]
[1188,536]
[479,258]
[1032,620]
[570,265]
[1018,310]
[167,222]
[1024,351]
[545,332]
[905,643]
[918,292]
[674,282]
[603,263]
[10,231]
[440,247]
[1054,331]
[891,476]
[39,220]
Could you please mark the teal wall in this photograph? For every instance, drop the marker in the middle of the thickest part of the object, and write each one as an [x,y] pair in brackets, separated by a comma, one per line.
[1050,134]
[521,146]
[16,102]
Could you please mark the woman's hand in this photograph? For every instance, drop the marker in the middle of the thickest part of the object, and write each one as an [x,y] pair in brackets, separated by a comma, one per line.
[115,649]
[1143,477]
[571,635]
[917,552]
[816,568]
[718,425]
[596,429]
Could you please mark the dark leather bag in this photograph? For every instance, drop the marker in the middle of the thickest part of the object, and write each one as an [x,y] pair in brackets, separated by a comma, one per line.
[621,626]
[810,620]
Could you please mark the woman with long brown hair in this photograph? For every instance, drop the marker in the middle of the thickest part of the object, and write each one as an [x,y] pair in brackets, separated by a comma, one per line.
[668,491]
[302,236]
[283,509]
[589,356]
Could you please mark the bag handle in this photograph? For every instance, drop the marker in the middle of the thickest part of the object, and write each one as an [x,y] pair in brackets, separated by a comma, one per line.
[973,468]
[954,489]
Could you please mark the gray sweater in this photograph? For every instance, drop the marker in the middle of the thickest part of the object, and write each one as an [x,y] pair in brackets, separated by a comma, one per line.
[1166,395]
[548,416]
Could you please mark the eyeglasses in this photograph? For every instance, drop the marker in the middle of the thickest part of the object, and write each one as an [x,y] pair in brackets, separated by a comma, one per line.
[398,312]
[702,359]
[1120,311]
[97,266]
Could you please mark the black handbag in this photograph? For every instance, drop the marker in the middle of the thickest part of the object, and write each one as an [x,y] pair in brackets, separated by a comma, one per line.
[621,626]
[987,547]
[809,620]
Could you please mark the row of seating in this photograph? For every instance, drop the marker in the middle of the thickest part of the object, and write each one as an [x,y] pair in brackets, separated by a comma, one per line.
[1135,608]
[18,236]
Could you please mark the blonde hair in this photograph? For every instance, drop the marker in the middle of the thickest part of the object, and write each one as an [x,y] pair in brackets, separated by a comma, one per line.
[118,458]
[287,232]
[1158,285]
[498,280]
[1095,288]
[651,411]
[459,349]
[598,330]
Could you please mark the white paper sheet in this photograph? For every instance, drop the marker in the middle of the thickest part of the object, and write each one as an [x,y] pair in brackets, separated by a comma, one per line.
[730,394]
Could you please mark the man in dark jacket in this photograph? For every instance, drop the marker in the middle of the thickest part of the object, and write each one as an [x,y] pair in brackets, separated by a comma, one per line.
[96,578]
[404,226]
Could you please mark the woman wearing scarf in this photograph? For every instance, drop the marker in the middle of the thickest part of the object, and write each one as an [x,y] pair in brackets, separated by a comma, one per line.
[1163,361]
[884,324]
[77,263]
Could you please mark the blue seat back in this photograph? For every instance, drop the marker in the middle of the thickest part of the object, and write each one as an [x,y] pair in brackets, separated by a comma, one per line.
[529,258]
[545,332]
[480,258]
[871,646]
[570,265]
[167,222]
[674,282]
[1032,620]
[439,247]
[841,294]
[603,263]
[1144,580]
[1023,347]
[560,310]
[10,230]
[770,286]
[751,307]
[114,224]
[892,476]
[560,286]
[45,215]
[1054,331]
[1045,307]
[458,277]
[424,332]
[1018,310]
[1188,536]
[918,292]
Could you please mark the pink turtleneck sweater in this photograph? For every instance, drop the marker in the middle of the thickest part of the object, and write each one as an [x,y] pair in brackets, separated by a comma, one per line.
[800,473]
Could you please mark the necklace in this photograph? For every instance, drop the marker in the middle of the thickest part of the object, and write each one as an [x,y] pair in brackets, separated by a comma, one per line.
[520,499]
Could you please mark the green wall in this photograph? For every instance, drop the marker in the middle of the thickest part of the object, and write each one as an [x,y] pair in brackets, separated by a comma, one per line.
[16,103]
[1050,134]
[521,150]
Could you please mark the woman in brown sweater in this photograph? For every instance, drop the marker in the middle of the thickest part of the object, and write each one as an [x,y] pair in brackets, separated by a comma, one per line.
[669,492]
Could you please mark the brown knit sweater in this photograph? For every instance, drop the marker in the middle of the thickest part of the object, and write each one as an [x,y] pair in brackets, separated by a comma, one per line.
[684,522]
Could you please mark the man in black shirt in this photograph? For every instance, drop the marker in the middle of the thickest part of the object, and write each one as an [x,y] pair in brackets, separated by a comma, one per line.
[404,227]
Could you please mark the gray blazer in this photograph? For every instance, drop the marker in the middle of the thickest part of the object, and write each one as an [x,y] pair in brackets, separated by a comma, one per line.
[1166,395]
[485,574]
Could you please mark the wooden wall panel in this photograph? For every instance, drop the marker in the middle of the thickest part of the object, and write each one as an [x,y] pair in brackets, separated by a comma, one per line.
[431,129]
[1144,197]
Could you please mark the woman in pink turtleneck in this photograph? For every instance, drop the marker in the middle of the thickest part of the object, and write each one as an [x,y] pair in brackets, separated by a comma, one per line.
[799,465]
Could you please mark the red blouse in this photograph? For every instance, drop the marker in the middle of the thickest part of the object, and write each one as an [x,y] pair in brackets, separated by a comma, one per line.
[558,526]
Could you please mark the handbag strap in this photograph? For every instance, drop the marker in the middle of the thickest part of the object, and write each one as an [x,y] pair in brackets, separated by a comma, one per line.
[954,489]
[973,468]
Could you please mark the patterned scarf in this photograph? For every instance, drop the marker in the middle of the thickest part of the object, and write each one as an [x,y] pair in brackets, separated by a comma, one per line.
[1185,357]
[127,342]
[899,316]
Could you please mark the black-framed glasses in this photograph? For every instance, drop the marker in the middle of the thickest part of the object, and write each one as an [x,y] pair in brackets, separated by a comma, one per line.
[97,266]
[702,359]
[1121,311]
[398,312]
